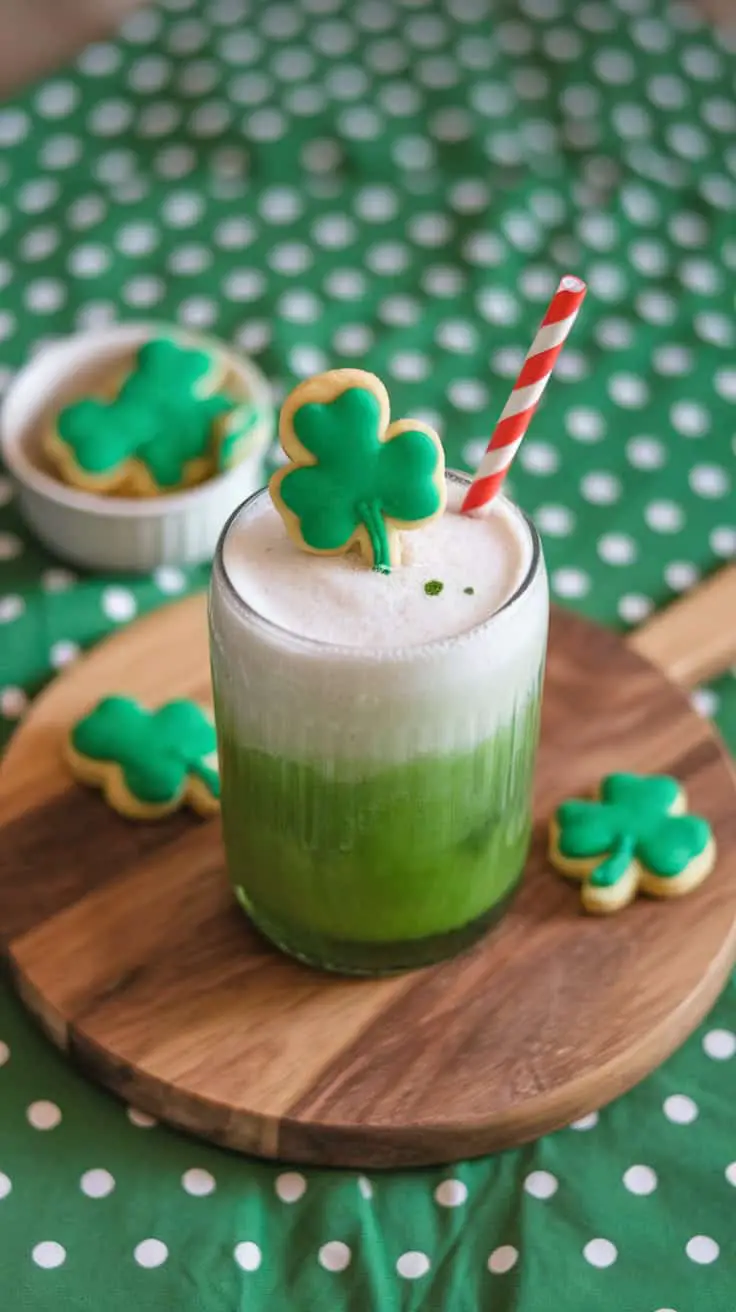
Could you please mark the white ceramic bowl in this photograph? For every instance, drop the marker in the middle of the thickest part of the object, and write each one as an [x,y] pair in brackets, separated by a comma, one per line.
[120,533]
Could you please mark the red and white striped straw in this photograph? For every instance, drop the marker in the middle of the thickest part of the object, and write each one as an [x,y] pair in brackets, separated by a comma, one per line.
[527,391]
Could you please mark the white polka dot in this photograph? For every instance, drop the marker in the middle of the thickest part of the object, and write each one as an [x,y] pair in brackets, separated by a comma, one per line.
[97,1183]
[570,582]
[88,261]
[656,307]
[702,1249]
[723,541]
[247,1255]
[649,257]
[485,249]
[410,366]
[141,1120]
[554,521]
[725,384]
[14,124]
[588,1122]
[451,1193]
[681,575]
[617,549]
[538,457]
[541,1184]
[110,117]
[634,607]
[709,481]
[352,339]
[63,653]
[345,284]
[118,604]
[300,306]
[601,488]
[150,1253]
[469,196]
[334,231]
[600,1252]
[10,608]
[137,238]
[443,280]
[628,390]
[6,1184]
[38,195]
[680,1109]
[334,1256]
[244,285]
[387,258]
[290,258]
[640,1180]
[182,208]
[57,580]
[7,328]
[430,229]
[731,1173]
[672,360]
[49,1254]
[290,1186]
[43,1115]
[13,702]
[456,335]
[399,311]
[142,27]
[254,336]
[497,305]
[468,394]
[169,579]
[700,276]
[704,701]
[365,1187]
[719,1044]
[86,211]
[585,425]
[664,516]
[646,453]
[98,60]
[413,1265]
[607,282]
[503,1259]
[198,1182]
[149,73]
[144,290]
[39,243]
[235,233]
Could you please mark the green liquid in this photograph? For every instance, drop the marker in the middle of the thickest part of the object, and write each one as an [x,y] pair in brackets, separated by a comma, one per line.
[379,873]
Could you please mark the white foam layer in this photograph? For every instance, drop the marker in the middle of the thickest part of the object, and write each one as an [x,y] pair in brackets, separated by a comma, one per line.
[479,562]
[412,675]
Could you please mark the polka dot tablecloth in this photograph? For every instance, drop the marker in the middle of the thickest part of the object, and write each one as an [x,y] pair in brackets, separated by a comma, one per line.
[398,184]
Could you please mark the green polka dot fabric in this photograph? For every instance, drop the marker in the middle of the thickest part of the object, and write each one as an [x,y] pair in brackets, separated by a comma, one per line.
[395,184]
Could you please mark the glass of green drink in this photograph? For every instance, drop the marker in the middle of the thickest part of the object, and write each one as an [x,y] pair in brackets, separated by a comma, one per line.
[378,733]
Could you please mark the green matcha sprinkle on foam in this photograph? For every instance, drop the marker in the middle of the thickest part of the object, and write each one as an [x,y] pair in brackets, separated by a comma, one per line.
[469,592]
[433,588]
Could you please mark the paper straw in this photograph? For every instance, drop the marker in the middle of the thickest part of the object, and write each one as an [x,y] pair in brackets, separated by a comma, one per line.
[526,394]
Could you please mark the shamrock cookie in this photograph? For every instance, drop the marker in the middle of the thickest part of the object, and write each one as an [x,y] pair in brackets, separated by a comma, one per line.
[634,838]
[147,763]
[159,431]
[353,480]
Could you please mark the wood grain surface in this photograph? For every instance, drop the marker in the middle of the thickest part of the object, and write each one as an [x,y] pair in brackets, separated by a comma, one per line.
[124,941]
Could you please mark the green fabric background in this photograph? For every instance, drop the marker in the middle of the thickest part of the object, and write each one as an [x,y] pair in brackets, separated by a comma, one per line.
[397,185]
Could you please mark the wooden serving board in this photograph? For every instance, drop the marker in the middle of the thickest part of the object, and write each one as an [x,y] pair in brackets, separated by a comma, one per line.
[124,941]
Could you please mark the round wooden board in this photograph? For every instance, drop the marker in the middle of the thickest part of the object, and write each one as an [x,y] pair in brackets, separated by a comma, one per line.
[125,942]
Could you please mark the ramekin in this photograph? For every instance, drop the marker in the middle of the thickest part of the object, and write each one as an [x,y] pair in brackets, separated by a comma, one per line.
[120,533]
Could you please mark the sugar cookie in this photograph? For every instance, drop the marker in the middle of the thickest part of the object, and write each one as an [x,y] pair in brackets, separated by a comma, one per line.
[147,763]
[352,479]
[635,838]
[151,431]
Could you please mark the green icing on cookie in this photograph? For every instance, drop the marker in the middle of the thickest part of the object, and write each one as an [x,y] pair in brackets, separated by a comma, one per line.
[357,478]
[632,819]
[156,750]
[158,417]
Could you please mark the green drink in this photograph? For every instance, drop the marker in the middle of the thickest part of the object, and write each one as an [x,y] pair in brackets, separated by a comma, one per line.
[378,733]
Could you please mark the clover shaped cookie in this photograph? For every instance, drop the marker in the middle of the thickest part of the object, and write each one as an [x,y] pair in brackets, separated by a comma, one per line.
[353,479]
[636,838]
[147,763]
[158,433]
